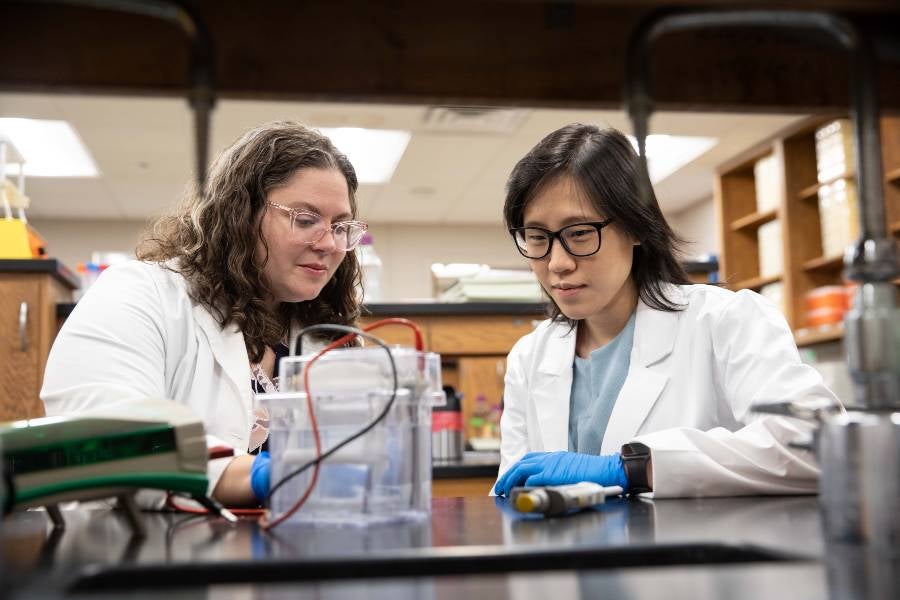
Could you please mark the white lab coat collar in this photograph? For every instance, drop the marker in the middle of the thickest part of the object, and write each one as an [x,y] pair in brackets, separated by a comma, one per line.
[227,345]
[230,352]
[654,330]
[654,339]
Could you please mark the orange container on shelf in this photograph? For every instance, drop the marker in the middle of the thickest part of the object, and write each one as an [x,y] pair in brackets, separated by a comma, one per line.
[827,315]
[827,296]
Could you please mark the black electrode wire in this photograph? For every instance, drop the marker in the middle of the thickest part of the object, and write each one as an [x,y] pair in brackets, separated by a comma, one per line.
[361,432]
[298,345]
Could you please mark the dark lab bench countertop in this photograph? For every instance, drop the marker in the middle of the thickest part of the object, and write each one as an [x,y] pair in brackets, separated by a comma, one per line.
[416,309]
[475,547]
[51,266]
[472,464]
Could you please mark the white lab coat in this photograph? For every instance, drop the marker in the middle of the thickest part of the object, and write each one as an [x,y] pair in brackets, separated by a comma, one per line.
[693,378]
[137,334]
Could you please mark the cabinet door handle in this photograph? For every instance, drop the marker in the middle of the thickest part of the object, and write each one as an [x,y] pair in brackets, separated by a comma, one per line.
[23,326]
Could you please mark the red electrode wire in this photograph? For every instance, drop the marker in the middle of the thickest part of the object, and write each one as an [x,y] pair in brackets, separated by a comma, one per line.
[214,452]
[417,333]
[263,513]
[264,522]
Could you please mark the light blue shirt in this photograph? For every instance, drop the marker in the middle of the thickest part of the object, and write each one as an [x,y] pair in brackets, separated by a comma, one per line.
[596,383]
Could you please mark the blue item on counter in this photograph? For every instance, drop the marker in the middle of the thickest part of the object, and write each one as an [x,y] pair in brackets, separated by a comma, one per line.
[561,468]
[260,475]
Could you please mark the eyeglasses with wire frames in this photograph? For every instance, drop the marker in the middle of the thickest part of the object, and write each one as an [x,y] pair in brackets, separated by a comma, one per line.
[309,228]
[578,239]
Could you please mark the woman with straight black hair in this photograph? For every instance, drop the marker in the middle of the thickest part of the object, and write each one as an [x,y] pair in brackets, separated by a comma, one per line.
[639,379]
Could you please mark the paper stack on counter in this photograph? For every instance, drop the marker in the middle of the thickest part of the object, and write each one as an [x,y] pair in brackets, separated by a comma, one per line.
[495,285]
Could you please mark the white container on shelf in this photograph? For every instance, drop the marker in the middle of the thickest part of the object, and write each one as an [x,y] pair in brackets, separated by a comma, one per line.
[766,182]
[774,293]
[834,149]
[371,266]
[770,255]
[838,216]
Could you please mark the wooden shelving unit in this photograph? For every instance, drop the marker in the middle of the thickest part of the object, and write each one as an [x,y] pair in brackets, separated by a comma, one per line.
[754,220]
[797,209]
[892,176]
[817,335]
[813,190]
[824,263]
[755,283]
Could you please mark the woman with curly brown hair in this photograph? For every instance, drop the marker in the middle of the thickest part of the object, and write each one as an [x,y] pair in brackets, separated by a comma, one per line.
[219,286]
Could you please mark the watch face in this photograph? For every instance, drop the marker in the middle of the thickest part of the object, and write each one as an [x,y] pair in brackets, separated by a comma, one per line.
[635,450]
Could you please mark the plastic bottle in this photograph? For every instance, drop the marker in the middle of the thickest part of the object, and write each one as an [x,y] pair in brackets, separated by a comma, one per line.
[480,420]
[81,270]
[371,269]
[496,413]
[93,272]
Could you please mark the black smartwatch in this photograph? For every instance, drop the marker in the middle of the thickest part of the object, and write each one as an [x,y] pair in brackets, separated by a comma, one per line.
[635,458]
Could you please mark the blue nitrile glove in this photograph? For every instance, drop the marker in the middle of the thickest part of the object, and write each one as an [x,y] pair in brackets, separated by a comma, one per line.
[561,468]
[260,475]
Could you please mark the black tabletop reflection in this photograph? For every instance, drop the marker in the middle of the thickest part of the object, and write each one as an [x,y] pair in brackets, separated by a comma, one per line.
[464,536]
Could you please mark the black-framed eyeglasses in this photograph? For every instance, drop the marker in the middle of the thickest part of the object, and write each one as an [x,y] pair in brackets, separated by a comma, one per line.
[579,239]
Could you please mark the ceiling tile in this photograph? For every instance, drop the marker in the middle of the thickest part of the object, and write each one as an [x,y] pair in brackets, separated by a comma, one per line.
[69,198]
[141,199]
[144,149]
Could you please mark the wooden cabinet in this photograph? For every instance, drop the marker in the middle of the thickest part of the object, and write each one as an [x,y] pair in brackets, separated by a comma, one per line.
[479,377]
[462,486]
[29,294]
[472,339]
[796,207]
[478,335]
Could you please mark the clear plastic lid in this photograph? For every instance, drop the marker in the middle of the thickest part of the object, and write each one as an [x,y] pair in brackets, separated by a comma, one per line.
[356,372]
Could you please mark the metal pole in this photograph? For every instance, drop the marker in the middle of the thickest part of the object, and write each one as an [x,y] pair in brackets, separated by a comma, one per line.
[201,76]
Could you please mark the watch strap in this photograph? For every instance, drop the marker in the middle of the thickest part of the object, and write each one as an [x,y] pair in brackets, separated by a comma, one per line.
[635,458]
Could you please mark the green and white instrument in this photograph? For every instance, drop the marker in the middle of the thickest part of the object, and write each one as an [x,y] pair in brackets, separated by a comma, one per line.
[109,451]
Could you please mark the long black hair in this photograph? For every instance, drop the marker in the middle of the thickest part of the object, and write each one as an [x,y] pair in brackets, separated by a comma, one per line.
[605,166]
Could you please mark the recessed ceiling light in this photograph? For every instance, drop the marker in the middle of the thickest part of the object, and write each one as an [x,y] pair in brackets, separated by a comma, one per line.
[50,148]
[374,153]
[668,153]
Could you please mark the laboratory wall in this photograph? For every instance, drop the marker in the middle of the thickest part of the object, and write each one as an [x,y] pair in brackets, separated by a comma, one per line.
[72,241]
[696,224]
[406,251]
